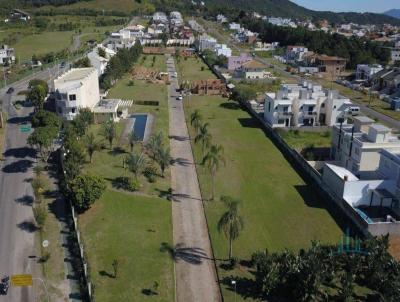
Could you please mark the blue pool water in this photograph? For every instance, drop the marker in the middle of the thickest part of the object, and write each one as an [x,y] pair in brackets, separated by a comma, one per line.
[364,216]
[139,125]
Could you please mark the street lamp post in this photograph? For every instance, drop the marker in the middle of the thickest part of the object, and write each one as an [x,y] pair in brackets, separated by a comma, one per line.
[234,284]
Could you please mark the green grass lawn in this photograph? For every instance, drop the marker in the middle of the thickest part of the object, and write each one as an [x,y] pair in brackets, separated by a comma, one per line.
[42,43]
[193,69]
[302,139]
[280,210]
[130,229]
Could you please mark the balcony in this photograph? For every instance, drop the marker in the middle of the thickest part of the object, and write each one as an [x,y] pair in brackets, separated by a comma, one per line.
[285,114]
[309,114]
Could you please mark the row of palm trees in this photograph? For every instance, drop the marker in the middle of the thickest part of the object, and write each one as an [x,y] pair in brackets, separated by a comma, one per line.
[230,223]
[213,155]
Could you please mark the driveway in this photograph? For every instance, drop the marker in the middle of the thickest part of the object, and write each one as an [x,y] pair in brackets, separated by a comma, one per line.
[196,279]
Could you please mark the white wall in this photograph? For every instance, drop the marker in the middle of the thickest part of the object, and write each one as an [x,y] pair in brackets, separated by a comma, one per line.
[357,193]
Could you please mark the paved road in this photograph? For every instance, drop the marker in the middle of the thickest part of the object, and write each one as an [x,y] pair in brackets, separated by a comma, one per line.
[196,279]
[16,196]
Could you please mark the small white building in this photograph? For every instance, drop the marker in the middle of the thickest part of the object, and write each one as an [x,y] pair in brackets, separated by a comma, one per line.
[222,19]
[234,26]
[223,50]
[357,147]
[99,62]
[297,105]
[207,42]
[365,72]
[75,89]
[395,54]
[7,55]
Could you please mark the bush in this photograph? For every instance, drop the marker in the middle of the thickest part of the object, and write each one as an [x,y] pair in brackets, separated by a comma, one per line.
[150,173]
[40,215]
[126,183]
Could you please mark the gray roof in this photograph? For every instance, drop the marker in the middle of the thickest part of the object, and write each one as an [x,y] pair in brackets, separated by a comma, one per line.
[363,119]
[380,128]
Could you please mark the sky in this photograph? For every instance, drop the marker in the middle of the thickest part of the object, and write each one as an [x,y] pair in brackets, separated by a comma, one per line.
[376,6]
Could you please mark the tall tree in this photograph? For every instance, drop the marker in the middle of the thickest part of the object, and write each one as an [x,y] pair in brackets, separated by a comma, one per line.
[85,190]
[154,144]
[91,145]
[195,120]
[42,138]
[204,137]
[37,95]
[230,223]
[212,161]
[109,132]
[136,163]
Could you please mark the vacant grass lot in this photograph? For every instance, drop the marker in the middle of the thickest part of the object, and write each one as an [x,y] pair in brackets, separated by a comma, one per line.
[42,43]
[193,69]
[302,139]
[129,229]
[280,210]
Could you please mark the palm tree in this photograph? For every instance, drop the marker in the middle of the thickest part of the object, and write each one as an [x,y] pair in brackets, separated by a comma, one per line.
[195,120]
[204,137]
[91,145]
[154,145]
[136,163]
[133,139]
[212,160]
[109,132]
[230,223]
[163,159]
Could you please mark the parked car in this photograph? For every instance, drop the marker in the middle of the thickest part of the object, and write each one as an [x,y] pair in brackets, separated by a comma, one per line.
[179,98]
[4,285]
[10,90]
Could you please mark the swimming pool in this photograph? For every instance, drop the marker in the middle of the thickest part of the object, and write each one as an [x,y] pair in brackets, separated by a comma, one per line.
[364,216]
[139,125]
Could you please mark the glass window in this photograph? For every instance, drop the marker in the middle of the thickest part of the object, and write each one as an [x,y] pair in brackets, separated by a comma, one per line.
[72,97]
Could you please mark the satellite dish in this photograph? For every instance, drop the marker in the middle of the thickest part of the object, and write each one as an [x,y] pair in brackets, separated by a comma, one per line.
[45,243]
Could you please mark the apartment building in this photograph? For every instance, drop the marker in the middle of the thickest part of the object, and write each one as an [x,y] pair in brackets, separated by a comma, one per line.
[365,71]
[306,104]
[7,55]
[77,88]
[357,147]
[223,50]
[295,53]
[206,42]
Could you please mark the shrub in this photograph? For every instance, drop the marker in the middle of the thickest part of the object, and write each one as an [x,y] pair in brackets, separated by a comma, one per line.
[150,173]
[126,183]
[40,215]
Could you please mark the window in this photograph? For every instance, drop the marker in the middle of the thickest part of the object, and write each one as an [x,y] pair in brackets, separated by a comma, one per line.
[72,97]
[281,121]
[357,151]
[286,109]
[323,105]
[73,110]
[269,106]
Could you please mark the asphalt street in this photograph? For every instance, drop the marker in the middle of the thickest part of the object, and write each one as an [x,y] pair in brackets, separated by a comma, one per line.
[17,229]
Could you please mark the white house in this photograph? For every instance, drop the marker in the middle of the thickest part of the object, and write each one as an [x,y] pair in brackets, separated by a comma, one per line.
[295,53]
[207,42]
[222,19]
[306,105]
[7,55]
[234,26]
[176,18]
[365,72]
[357,147]
[75,89]
[99,62]
[395,54]
[223,50]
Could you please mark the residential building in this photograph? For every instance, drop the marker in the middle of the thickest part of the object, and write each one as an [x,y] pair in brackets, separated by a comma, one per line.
[262,46]
[17,14]
[75,89]
[99,62]
[223,50]
[222,19]
[365,72]
[253,70]
[7,55]
[395,54]
[387,81]
[206,42]
[332,66]
[160,17]
[235,62]
[176,18]
[306,104]
[357,147]
[234,26]
[295,53]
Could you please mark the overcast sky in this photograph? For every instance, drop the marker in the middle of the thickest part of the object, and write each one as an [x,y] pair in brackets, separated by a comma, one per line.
[376,6]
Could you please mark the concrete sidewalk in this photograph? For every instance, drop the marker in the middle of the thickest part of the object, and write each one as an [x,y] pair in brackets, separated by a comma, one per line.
[196,279]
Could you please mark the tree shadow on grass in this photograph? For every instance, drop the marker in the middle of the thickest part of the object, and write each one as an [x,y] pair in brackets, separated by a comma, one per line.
[244,287]
[106,274]
[116,151]
[230,105]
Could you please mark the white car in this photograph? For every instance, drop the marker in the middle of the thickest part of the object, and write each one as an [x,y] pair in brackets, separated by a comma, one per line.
[179,98]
